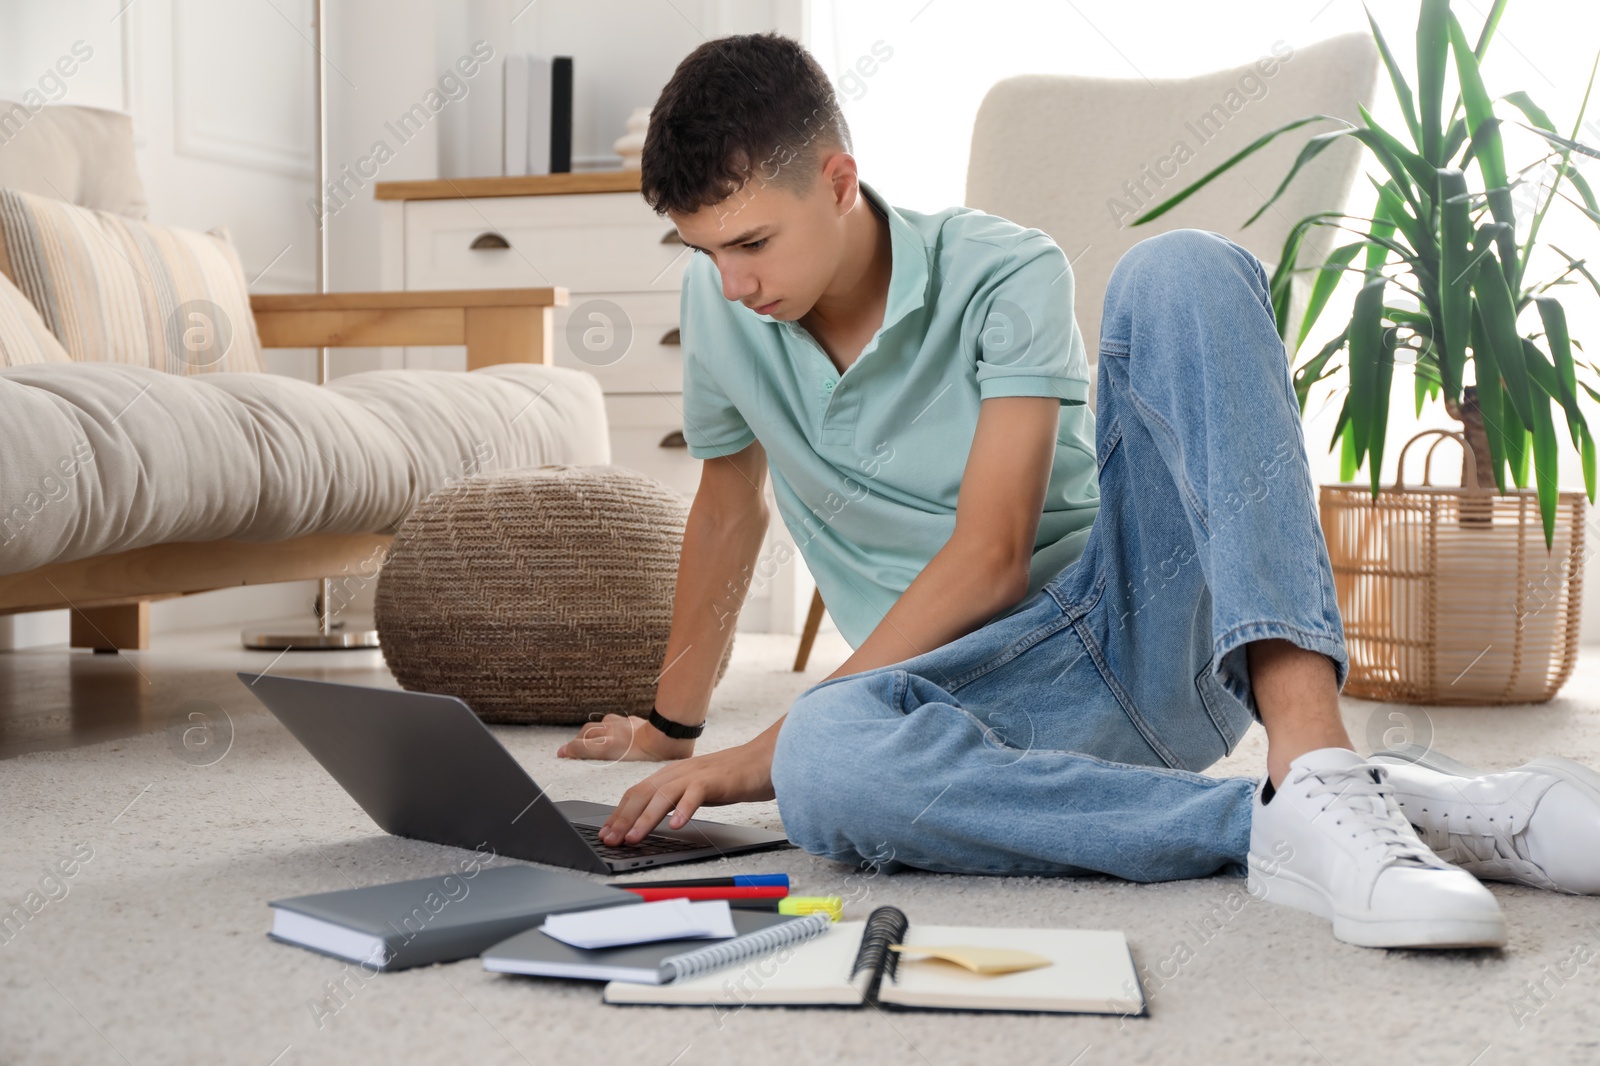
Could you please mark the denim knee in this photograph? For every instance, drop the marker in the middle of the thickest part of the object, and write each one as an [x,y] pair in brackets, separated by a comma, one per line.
[818,778]
[1178,250]
[1175,259]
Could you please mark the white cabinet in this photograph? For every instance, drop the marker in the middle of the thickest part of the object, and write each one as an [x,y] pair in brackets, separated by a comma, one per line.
[622,266]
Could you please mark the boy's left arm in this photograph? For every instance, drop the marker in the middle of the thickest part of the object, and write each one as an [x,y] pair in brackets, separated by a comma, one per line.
[981,570]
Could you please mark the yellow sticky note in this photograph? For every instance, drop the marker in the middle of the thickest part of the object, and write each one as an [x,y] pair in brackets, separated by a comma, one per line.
[976,958]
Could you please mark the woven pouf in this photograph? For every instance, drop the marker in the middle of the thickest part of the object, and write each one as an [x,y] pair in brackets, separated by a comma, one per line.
[539,596]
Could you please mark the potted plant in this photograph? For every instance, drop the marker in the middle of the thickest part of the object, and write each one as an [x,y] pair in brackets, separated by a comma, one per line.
[1432,577]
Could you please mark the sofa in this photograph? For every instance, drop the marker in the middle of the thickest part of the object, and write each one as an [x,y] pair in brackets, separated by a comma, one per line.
[125,480]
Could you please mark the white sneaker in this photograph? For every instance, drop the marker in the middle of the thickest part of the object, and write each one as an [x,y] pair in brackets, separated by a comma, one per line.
[1537,824]
[1332,841]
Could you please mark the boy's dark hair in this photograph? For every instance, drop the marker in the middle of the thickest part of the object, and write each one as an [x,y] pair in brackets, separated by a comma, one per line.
[754,106]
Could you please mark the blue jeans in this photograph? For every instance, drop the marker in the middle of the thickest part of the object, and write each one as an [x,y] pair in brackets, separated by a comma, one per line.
[1067,736]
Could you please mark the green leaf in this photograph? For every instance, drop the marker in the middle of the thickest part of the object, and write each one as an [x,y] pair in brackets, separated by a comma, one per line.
[1308,152]
[1378,237]
[1432,54]
[1254,146]
[1587,450]
[1563,142]
[1481,121]
[1378,429]
[1453,142]
[1328,277]
[1554,317]
[1348,463]
[1339,427]
[1577,264]
[1312,370]
[1500,328]
[1524,103]
[1579,182]
[1487,32]
[1590,213]
[1366,355]
[1394,210]
[1517,454]
[1421,171]
[1455,277]
[1490,393]
[1545,457]
[1402,91]
[1397,170]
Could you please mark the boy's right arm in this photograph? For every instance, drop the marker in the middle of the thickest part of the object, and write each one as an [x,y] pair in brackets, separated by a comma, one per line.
[721,542]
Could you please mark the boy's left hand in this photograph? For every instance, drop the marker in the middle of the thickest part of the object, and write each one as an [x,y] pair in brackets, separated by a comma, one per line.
[733,775]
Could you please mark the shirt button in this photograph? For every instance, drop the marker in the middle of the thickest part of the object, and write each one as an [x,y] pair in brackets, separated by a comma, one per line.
[829,386]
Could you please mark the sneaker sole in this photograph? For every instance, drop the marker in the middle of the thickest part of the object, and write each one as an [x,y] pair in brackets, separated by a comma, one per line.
[1291,890]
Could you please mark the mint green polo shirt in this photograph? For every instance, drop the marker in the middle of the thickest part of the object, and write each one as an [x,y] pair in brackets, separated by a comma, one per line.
[866,465]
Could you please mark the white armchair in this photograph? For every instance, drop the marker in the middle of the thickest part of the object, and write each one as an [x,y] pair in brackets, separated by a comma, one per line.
[1079,157]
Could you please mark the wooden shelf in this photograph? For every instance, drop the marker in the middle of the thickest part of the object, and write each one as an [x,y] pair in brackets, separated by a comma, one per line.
[532,185]
[555,296]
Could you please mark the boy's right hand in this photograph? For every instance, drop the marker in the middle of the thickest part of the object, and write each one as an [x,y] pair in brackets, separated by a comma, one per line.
[624,738]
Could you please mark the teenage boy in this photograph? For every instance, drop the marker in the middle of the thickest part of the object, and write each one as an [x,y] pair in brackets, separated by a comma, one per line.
[1059,616]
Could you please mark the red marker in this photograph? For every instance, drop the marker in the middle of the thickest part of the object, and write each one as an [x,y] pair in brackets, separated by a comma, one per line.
[734,892]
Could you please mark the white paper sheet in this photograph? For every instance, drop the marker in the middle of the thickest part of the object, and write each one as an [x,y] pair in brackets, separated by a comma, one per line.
[665,919]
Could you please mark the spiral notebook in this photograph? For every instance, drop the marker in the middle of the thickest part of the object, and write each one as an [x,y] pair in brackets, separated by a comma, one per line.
[537,954]
[1091,971]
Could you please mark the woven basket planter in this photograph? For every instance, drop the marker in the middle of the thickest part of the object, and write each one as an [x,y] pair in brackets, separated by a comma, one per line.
[1448,595]
[539,596]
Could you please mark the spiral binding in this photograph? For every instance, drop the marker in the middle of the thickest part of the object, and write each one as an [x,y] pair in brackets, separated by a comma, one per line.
[714,956]
[886,925]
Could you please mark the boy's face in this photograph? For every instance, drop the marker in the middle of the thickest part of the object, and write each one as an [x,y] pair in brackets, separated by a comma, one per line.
[776,250]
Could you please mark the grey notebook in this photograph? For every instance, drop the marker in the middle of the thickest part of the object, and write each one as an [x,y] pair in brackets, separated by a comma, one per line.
[536,953]
[434,919]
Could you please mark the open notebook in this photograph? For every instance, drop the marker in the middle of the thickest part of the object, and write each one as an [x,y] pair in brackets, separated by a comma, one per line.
[1091,972]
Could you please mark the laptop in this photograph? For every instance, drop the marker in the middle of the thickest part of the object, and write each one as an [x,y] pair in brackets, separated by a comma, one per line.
[424,766]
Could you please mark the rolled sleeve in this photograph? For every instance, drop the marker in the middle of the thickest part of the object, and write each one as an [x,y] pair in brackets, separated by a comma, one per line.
[1028,340]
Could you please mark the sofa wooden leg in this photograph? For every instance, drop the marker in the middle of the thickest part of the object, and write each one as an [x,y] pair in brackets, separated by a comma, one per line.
[122,626]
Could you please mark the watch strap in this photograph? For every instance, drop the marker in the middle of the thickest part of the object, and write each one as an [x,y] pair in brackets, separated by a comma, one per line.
[675,730]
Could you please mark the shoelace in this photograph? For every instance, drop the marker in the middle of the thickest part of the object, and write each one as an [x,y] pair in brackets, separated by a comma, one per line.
[1367,809]
[1483,845]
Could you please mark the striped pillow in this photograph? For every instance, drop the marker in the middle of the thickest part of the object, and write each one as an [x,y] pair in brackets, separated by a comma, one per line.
[115,290]
[24,338]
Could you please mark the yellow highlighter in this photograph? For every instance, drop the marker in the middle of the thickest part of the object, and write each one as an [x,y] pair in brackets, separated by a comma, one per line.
[834,905]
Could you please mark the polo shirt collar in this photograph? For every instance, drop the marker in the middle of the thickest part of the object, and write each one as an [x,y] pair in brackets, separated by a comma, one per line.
[908,267]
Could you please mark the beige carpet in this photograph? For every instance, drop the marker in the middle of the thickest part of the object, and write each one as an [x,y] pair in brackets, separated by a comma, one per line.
[156,952]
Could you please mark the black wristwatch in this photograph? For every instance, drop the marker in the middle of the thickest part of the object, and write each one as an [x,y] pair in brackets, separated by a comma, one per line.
[675,730]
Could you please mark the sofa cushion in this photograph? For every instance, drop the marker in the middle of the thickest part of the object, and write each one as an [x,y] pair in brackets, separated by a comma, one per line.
[24,338]
[103,458]
[115,290]
[83,155]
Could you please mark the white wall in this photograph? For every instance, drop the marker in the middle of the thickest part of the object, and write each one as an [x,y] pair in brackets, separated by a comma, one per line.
[222,96]
[221,99]
[221,93]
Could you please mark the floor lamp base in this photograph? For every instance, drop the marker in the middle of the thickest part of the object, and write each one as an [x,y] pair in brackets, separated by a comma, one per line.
[284,637]
[328,636]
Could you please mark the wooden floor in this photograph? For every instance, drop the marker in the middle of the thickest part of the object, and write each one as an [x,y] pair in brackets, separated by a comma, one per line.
[53,698]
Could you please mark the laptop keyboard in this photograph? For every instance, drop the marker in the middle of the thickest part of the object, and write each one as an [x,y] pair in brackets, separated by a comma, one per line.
[652,844]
